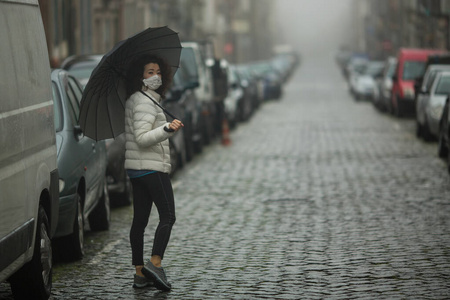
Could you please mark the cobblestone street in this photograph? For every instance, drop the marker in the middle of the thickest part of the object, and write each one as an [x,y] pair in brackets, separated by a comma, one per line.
[317,197]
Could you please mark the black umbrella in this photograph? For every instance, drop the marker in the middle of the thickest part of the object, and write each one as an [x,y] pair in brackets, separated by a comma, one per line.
[102,111]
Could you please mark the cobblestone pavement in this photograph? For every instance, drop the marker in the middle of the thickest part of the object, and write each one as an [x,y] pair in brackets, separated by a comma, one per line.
[318,197]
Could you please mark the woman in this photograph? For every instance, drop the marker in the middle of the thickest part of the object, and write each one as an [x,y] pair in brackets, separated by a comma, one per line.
[147,160]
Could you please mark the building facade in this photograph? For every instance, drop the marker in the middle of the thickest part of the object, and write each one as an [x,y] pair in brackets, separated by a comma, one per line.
[241,30]
[392,24]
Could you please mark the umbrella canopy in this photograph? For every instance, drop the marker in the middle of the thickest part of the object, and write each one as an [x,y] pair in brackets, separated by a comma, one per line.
[102,108]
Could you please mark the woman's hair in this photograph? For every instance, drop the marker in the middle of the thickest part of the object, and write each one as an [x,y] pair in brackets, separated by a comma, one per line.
[136,71]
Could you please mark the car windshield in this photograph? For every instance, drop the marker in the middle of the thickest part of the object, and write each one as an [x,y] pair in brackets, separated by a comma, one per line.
[413,70]
[57,108]
[373,70]
[188,58]
[232,76]
[83,71]
[443,86]
[359,68]
[391,70]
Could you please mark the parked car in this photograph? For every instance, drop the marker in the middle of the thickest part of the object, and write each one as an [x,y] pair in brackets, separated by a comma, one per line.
[28,169]
[271,78]
[119,185]
[423,97]
[284,65]
[234,98]
[432,60]
[253,91]
[354,64]
[410,66]
[182,92]
[195,64]
[363,84]
[430,111]
[383,90]
[444,134]
[81,66]
[177,142]
[83,193]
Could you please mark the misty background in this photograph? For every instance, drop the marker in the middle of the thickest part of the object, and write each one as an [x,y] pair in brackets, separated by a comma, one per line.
[314,28]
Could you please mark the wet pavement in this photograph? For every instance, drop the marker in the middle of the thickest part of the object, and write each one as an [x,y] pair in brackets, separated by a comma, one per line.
[318,197]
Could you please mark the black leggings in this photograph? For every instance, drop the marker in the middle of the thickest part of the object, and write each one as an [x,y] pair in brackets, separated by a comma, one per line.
[152,188]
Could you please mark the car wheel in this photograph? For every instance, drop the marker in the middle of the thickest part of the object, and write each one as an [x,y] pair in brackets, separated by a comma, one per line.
[448,162]
[418,129]
[397,109]
[182,156]
[442,144]
[73,245]
[34,280]
[426,134]
[127,196]
[189,148]
[101,215]
[389,106]
[188,141]
[124,197]
[198,144]
[173,159]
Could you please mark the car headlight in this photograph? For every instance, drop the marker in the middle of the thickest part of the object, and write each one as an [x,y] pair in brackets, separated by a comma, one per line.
[61,185]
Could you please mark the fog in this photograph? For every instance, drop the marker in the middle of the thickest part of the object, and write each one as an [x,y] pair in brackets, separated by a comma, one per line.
[314,27]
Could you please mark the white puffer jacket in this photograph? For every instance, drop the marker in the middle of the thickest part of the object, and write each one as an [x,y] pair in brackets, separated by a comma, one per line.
[147,144]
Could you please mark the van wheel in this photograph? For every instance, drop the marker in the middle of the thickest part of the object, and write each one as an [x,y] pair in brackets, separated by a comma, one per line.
[34,280]
[101,215]
[73,245]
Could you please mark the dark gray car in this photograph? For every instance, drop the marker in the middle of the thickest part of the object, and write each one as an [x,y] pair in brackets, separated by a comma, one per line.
[83,194]
[119,185]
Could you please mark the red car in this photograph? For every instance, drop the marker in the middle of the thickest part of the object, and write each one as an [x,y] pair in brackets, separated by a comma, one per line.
[411,65]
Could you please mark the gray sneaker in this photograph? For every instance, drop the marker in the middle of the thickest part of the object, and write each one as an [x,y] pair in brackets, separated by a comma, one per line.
[141,282]
[157,275]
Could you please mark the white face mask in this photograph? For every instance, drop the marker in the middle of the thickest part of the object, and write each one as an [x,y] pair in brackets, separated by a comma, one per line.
[153,83]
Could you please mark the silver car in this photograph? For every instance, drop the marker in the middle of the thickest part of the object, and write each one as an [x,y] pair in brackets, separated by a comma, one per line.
[429,109]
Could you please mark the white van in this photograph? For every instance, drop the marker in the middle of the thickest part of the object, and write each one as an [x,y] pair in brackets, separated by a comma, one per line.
[28,170]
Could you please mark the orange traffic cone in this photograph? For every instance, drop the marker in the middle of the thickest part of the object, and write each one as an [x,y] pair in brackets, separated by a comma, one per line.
[225,133]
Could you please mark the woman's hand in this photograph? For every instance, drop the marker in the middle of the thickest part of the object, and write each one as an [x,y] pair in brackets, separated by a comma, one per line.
[176,125]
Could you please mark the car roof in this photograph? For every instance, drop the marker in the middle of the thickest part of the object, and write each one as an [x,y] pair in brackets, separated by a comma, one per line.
[438,67]
[75,59]
[55,73]
[444,73]
[418,53]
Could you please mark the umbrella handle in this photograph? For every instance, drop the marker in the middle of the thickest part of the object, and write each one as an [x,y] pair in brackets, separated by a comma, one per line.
[157,104]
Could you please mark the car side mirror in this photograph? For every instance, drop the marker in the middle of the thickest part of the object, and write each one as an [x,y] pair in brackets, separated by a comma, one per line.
[394,78]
